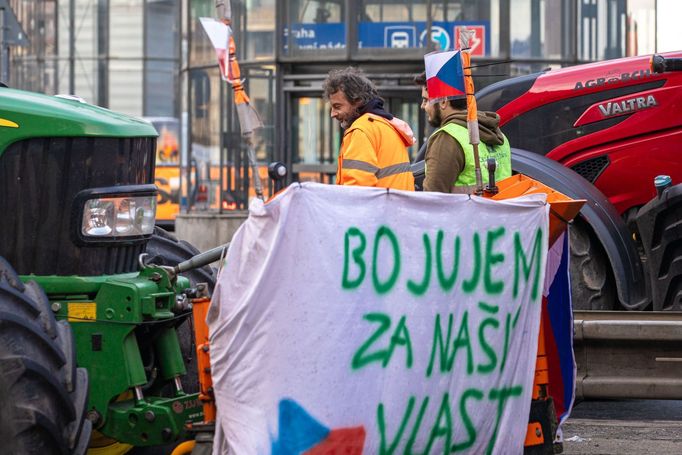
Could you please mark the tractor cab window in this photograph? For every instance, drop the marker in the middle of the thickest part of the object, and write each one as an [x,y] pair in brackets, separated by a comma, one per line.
[493,97]
[544,128]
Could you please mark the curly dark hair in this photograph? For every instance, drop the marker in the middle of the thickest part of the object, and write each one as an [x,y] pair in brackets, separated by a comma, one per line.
[352,82]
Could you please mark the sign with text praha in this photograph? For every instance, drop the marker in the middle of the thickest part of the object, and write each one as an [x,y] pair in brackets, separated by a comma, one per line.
[396,35]
[479,39]
[370,321]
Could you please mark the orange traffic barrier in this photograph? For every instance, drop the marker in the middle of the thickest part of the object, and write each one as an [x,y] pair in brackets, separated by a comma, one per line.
[199,310]
[562,210]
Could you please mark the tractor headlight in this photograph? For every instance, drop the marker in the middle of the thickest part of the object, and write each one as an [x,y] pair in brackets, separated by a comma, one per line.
[119,216]
[125,213]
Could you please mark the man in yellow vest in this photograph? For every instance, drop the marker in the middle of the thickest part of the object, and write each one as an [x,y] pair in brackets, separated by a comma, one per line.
[449,159]
[374,147]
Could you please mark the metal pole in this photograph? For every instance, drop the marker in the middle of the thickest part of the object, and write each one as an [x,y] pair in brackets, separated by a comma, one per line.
[145,56]
[222,145]
[72,47]
[472,111]
[351,29]
[4,49]
[103,9]
[186,157]
[429,22]
[251,153]
[655,25]
[535,21]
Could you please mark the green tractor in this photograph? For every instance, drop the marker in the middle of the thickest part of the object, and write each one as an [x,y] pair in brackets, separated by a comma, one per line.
[94,338]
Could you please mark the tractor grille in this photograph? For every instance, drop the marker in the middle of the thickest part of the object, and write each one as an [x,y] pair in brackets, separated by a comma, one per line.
[592,168]
[39,178]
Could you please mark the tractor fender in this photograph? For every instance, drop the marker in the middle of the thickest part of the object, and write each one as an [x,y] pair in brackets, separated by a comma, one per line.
[603,218]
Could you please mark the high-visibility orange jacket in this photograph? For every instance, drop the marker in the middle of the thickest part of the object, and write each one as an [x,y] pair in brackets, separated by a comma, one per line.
[374,153]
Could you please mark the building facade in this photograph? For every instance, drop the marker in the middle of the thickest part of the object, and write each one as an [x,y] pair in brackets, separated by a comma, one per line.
[286,48]
[152,58]
[119,54]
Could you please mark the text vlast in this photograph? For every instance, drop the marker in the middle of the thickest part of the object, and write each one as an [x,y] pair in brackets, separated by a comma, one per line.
[375,260]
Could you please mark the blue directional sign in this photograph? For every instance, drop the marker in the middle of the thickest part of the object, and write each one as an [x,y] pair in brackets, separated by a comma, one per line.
[395,35]
[439,36]
[398,35]
[317,36]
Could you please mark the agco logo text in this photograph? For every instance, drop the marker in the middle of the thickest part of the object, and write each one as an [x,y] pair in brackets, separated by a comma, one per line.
[621,107]
[635,75]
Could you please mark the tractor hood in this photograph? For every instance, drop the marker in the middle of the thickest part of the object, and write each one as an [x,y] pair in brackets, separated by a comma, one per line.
[28,115]
[514,96]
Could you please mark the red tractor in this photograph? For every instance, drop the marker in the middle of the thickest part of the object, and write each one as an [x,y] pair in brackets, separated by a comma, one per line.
[603,132]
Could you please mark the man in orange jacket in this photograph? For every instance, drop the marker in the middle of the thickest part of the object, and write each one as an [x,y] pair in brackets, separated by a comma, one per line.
[374,147]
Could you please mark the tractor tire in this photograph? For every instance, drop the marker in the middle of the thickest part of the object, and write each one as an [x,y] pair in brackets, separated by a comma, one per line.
[592,284]
[43,395]
[165,249]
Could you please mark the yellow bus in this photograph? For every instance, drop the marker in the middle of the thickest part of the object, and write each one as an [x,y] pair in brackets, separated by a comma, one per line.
[167,173]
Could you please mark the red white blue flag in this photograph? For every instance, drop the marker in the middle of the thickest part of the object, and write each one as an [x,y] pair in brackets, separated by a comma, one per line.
[558,329]
[444,75]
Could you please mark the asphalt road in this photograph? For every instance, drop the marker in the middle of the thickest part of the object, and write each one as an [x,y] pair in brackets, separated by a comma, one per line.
[603,427]
[624,427]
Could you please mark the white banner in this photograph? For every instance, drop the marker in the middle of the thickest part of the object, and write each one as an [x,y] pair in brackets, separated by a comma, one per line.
[367,321]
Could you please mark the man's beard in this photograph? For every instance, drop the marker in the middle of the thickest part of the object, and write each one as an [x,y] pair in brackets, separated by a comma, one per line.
[437,118]
[348,121]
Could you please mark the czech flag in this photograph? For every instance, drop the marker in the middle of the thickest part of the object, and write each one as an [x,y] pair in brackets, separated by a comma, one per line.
[444,75]
[302,434]
[558,328]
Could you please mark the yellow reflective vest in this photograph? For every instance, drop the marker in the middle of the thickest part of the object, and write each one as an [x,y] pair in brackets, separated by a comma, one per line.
[466,181]
[374,153]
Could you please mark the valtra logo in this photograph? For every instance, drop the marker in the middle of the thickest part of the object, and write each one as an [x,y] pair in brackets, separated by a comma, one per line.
[611,109]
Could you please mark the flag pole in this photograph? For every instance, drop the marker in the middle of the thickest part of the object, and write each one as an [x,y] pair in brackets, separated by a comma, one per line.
[249,120]
[465,36]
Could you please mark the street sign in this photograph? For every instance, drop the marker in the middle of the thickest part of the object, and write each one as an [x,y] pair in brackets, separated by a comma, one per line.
[439,36]
[478,40]
[400,36]
[387,35]
[405,35]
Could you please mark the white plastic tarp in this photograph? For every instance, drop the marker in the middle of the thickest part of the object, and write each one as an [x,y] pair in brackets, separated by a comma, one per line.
[373,321]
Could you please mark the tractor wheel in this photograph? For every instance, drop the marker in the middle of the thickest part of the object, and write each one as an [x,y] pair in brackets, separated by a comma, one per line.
[165,249]
[592,283]
[43,396]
